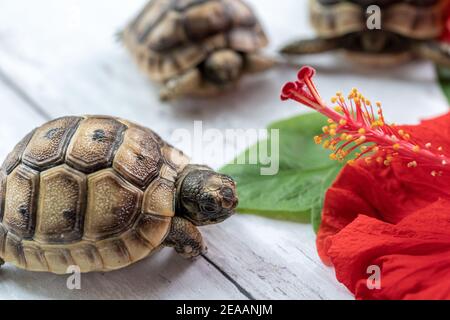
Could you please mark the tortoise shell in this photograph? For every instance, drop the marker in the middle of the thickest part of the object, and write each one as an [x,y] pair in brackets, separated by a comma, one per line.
[95,191]
[169,37]
[417,19]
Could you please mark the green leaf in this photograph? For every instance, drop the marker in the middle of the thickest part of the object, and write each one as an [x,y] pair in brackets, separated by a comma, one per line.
[297,192]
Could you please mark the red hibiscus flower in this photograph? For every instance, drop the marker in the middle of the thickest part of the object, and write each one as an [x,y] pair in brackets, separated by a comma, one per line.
[388,209]
[446,33]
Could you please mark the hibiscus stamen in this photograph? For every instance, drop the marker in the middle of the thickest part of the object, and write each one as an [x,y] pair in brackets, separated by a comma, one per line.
[355,123]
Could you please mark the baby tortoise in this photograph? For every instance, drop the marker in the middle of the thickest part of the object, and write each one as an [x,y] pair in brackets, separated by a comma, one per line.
[102,193]
[409,29]
[196,47]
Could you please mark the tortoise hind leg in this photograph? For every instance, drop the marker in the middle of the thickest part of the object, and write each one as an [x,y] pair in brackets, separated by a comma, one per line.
[310,46]
[186,83]
[434,51]
[255,62]
[185,238]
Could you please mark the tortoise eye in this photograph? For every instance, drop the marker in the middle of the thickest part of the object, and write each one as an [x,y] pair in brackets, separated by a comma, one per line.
[209,208]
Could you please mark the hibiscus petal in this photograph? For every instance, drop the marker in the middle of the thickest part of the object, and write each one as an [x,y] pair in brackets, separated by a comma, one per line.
[413,255]
[395,217]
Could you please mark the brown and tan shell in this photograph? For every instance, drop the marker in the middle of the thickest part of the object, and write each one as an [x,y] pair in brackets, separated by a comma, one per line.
[169,37]
[95,191]
[344,17]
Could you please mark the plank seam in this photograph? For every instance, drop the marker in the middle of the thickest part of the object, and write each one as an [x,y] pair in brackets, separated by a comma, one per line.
[240,288]
[23,95]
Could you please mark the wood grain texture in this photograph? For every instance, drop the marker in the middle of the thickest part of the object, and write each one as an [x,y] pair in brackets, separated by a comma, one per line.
[70,64]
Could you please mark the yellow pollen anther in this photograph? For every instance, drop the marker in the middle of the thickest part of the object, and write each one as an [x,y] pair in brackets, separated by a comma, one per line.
[362,131]
[360,140]
[368,160]
[416,148]
[378,104]
[343,136]
[326,144]
[364,148]
[389,158]
[338,109]
[330,121]
[349,137]
[396,147]
[351,162]
[342,122]
[333,99]
[332,132]
[333,156]
[436,173]
[380,160]
[406,136]
[376,149]
[318,139]
[325,129]
[333,126]
[412,164]
[386,163]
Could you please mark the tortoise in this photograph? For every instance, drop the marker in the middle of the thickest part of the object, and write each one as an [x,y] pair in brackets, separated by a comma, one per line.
[101,193]
[409,29]
[196,47]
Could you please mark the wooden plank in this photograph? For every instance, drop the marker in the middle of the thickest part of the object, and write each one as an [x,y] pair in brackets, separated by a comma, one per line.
[99,77]
[163,276]
[70,64]
[272,259]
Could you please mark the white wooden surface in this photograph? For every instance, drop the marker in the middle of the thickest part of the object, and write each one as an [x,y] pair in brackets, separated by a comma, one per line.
[60,57]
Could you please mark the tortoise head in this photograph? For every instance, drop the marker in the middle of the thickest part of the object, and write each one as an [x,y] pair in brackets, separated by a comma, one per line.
[223,67]
[206,197]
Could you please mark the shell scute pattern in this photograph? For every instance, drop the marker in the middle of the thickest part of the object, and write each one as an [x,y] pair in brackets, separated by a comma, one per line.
[15,156]
[139,158]
[113,205]
[48,145]
[159,198]
[413,19]
[93,146]
[61,205]
[2,192]
[22,185]
[169,38]
[66,205]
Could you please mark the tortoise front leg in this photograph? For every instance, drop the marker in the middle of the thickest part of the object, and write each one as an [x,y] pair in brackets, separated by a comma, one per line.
[435,51]
[310,46]
[185,238]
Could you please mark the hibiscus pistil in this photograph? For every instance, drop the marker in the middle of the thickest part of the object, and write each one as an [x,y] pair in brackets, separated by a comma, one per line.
[356,127]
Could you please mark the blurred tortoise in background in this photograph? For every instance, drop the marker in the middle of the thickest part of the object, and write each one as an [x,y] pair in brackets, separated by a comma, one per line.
[102,193]
[196,47]
[409,29]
